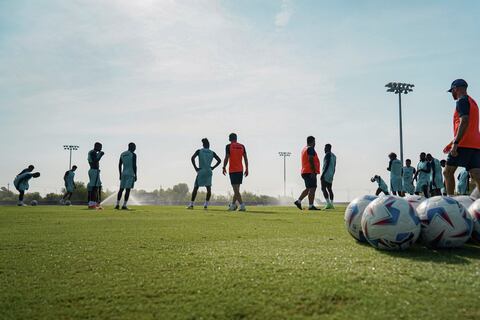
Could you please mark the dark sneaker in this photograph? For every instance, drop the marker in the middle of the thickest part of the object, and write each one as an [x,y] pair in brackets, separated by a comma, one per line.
[117,207]
[313,208]
[124,208]
[298,204]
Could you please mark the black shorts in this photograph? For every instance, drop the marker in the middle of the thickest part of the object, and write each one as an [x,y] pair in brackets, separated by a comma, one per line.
[310,180]
[236,178]
[467,158]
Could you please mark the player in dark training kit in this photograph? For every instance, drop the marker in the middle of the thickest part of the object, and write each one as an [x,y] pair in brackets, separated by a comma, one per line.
[127,170]
[94,186]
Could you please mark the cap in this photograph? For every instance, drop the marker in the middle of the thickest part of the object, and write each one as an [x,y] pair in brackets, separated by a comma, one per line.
[458,83]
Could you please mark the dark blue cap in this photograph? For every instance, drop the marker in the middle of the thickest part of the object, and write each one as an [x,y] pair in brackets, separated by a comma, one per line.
[458,83]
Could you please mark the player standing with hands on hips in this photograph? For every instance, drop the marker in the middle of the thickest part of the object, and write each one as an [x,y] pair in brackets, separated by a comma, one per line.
[127,169]
[94,186]
[464,149]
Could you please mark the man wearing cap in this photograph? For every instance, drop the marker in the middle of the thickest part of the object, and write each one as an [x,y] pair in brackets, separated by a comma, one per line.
[464,149]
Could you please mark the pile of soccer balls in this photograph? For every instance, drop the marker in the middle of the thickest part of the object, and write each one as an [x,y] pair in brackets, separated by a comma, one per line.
[394,223]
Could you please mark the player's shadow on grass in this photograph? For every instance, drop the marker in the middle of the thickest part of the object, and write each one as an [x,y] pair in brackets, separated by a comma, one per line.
[463,255]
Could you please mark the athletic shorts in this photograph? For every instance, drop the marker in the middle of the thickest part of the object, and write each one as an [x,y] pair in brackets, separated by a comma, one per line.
[467,158]
[127,181]
[325,183]
[69,187]
[94,179]
[204,178]
[396,184]
[408,187]
[420,185]
[236,178]
[310,180]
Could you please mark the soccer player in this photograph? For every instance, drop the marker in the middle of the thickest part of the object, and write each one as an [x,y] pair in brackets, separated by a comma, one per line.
[423,176]
[407,176]
[94,185]
[127,170]
[328,171]
[463,182]
[69,178]
[436,179]
[395,168]
[21,183]
[310,169]
[464,150]
[235,154]
[443,163]
[204,171]
[382,186]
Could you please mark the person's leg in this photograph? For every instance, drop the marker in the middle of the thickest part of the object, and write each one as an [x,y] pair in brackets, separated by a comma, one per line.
[378,191]
[425,191]
[125,200]
[239,195]
[449,175]
[194,194]
[209,193]
[21,196]
[330,194]
[475,174]
[119,197]
[323,185]
[311,196]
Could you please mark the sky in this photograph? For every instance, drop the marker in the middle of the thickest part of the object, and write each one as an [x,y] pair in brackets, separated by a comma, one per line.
[165,74]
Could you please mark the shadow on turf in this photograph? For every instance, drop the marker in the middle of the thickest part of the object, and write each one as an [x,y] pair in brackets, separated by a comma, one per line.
[462,255]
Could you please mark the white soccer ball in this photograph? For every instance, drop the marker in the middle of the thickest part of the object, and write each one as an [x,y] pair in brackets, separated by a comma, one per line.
[353,216]
[466,201]
[390,223]
[445,222]
[474,211]
[68,203]
[415,200]
[33,203]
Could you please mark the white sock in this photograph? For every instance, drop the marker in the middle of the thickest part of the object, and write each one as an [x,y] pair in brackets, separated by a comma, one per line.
[118,202]
[205,204]
[191,203]
[310,205]
[125,203]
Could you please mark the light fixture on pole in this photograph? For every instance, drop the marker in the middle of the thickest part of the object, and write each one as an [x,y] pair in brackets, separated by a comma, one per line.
[284,155]
[70,148]
[399,88]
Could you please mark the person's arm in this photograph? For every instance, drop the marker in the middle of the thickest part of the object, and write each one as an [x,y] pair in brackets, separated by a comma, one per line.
[311,155]
[390,165]
[428,169]
[463,110]
[433,175]
[245,158]
[100,155]
[193,160]
[219,161]
[135,165]
[326,164]
[120,164]
[225,161]
[65,177]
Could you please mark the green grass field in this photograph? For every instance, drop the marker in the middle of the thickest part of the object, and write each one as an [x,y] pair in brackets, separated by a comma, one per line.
[171,263]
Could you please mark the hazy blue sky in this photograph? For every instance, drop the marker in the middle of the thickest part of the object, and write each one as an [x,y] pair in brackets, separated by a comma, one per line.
[165,74]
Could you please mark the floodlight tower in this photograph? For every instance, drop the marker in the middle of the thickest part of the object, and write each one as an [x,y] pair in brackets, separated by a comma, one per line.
[70,148]
[399,88]
[284,155]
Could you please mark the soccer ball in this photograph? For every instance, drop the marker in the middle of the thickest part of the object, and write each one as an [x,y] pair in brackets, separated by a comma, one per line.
[445,222]
[390,223]
[33,203]
[68,203]
[466,201]
[414,200]
[474,211]
[353,216]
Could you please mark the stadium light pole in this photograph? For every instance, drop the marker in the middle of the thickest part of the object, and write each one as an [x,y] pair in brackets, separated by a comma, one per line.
[284,155]
[399,88]
[70,148]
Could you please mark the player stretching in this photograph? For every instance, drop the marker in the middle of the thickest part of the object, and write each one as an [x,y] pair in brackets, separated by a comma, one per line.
[464,150]
[94,186]
[436,176]
[69,178]
[407,176]
[310,169]
[382,186]
[463,182]
[21,183]
[234,154]
[204,171]
[328,171]
[395,168]
[423,176]
[127,170]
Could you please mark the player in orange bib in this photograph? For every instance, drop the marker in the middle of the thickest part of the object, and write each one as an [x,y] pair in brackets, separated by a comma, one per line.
[235,154]
[310,170]
[464,150]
